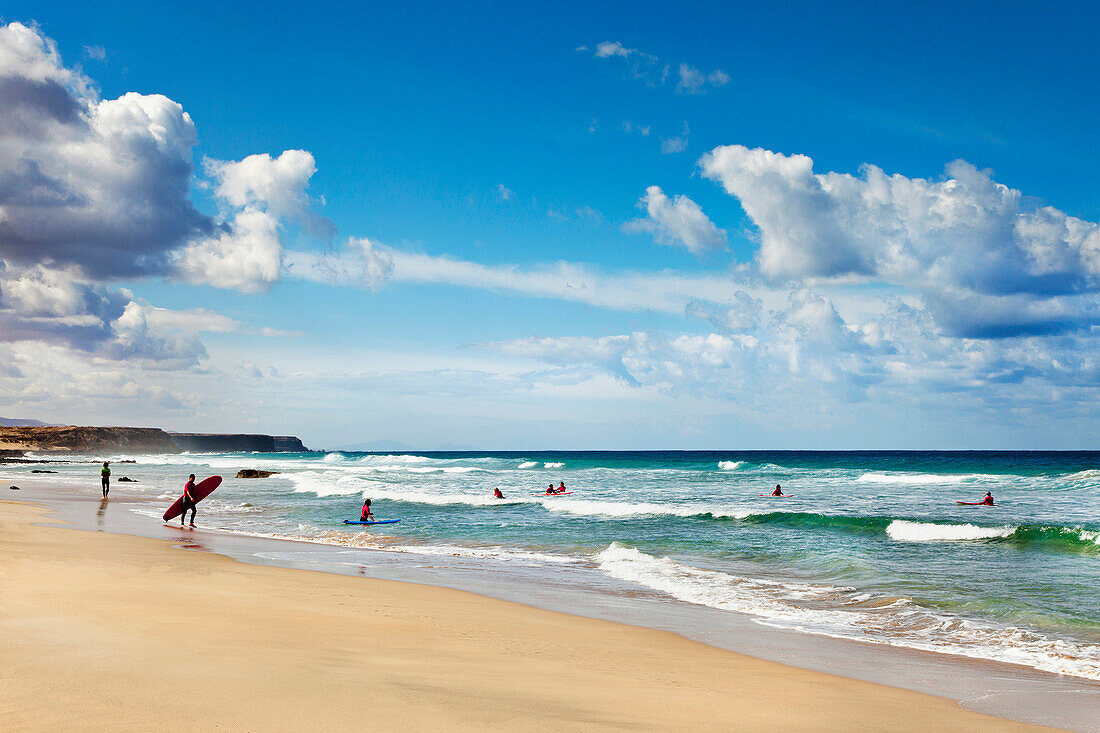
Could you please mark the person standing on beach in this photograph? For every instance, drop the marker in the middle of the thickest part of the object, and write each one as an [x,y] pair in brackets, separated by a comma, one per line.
[105,478]
[188,500]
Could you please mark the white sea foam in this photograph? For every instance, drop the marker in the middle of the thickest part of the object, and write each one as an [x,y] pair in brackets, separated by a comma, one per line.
[591,507]
[848,614]
[730,465]
[553,464]
[918,479]
[1091,474]
[391,459]
[906,531]
[529,464]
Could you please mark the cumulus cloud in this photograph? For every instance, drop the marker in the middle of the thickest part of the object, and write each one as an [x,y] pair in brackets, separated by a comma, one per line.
[276,185]
[100,189]
[803,356]
[678,222]
[987,262]
[98,184]
[261,192]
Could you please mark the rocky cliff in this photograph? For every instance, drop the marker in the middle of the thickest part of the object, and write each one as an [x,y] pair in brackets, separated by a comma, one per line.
[235,443]
[74,439]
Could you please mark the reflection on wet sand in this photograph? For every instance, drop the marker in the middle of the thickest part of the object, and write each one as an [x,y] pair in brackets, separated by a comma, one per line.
[101,513]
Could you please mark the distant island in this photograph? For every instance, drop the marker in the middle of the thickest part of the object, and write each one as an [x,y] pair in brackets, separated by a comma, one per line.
[87,439]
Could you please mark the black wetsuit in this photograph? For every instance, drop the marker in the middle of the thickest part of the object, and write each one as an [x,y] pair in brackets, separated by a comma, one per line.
[106,481]
[187,504]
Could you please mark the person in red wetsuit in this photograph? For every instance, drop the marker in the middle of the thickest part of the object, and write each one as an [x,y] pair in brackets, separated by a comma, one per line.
[778,490]
[988,499]
[366,515]
[550,489]
[497,494]
[188,499]
[561,487]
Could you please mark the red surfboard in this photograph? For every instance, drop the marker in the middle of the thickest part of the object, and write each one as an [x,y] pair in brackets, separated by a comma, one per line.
[202,490]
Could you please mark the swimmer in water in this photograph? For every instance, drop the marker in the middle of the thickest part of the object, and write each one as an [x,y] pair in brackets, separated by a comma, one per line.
[778,490]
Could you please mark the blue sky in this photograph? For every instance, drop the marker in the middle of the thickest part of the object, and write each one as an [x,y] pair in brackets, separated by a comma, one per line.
[710,226]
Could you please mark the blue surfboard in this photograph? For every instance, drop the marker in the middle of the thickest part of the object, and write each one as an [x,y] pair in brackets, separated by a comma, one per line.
[380,521]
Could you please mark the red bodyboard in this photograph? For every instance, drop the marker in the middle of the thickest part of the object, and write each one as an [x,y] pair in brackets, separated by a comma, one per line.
[202,490]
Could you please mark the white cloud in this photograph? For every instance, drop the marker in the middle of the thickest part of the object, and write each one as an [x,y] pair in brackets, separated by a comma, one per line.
[987,263]
[643,130]
[98,184]
[246,257]
[670,145]
[96,53]
[505,193]
[693,81]
[276,185]
[246,254]
[677,221]
[362,264]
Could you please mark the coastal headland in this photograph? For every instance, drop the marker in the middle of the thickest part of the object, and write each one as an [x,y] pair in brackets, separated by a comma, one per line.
[101,630]
[91,439]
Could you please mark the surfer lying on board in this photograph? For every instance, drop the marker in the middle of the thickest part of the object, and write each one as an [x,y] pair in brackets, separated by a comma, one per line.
[366,515]
[497,494]
[188,500]
[778,490]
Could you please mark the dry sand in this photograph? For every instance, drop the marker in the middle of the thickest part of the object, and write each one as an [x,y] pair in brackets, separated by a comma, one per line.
[111,632]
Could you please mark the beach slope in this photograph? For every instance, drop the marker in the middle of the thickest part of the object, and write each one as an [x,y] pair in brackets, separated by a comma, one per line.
[101,631]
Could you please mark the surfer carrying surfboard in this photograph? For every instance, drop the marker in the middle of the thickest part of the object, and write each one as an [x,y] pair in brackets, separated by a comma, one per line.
[366,515]
[188,500]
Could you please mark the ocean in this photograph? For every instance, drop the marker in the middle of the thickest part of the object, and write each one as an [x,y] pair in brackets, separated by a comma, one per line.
[870,546]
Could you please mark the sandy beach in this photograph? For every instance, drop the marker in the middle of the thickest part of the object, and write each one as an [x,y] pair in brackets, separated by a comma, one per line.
[100,630]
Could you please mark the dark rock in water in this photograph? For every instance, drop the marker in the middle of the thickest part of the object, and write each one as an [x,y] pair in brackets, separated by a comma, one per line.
[14,488]
[254,473]
[41,470]
[127,479]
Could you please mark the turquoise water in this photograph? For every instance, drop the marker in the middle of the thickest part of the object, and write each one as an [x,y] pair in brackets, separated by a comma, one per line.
[870,546]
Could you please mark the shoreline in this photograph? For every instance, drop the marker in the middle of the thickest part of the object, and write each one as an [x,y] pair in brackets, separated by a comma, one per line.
[100,614]
[1000,689]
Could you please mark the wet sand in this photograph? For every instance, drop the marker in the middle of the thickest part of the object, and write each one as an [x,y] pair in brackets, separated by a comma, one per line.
[100,630]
